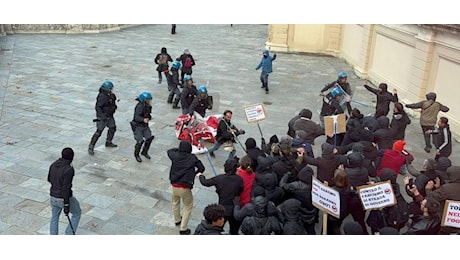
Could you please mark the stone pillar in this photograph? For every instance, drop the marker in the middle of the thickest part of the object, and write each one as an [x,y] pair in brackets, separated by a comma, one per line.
[333,38]
[361,69]
[422,64]
[278,35]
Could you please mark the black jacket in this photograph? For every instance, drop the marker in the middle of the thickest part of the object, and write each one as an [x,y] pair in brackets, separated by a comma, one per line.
[398,126]
[187,96]
[141,111]
[105,104]
[311,128]
[293,225]
[424,225]
[199,105]
[327,163]
[383,99]
[185,165]
[291,122]
[60,176]
[223,134]
[204,228]
[228,186]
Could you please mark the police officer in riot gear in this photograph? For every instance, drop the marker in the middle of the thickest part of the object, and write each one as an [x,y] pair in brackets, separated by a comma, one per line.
[105,108]
[140,125]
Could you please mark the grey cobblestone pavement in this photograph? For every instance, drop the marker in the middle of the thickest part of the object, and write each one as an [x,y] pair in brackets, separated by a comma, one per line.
[48,88]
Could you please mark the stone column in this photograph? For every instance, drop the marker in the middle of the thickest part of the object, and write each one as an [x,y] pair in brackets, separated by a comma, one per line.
[278,35]
[362,68]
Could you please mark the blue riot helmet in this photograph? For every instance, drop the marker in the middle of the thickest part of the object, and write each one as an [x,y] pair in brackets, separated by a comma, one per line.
[187,77]
[145,96]
[336,91]
[203,92]
[107,85]
[342,75]
[176,65]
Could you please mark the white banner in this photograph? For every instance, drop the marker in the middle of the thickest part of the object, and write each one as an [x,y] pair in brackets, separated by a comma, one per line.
[451,216]
[255,113]
[377,196]
[325,198]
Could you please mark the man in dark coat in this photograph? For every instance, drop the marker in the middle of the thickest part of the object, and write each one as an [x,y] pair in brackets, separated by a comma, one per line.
[383,136]
[228,186]
[185,166]
[226,132]
[60,176]
[105,108]
[253,151]
[311,128]
[327,163]
[291,131]
[429,223]
[384,98]
[399,122]
[293,225]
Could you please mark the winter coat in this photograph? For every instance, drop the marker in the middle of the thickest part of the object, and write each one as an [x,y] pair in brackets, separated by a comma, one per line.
[266,62]
[293,225]
[392,160]
[384,98]
[223,134]
[253,152]
[204,228]
[398,125]
[430,109]
[312,129]
[162,66]
[297,143]
[357,174]
[141,111]
[248,181]
[327,163]
[105,104]
[273,192]
[199,105]
[60,176]
[450,190]
[187,96]
[228,186]
[424,225]
[185,165]
[291,122]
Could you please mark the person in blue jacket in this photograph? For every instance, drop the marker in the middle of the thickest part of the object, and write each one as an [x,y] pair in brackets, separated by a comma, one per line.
[267,68]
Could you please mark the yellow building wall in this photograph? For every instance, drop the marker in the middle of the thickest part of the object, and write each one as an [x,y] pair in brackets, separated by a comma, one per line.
[413,59]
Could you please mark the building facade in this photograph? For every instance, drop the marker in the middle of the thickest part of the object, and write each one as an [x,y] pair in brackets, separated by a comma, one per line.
[414,59]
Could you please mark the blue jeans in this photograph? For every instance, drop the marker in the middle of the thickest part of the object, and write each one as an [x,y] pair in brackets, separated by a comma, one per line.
[57,204]
[264,79]
[216,147]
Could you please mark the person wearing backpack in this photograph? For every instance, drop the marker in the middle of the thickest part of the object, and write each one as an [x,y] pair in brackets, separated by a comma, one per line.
[162,59]
[188,62]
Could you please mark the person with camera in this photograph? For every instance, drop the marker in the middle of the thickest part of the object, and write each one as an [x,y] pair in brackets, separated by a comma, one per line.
[226,133]
[60,176]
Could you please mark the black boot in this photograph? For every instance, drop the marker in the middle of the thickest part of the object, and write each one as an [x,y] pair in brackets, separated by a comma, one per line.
[137,149]
[110,134]
[170,97]
[145,150]
[176,102]
[93,143]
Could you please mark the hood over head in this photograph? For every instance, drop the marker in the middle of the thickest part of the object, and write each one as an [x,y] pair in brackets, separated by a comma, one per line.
[388,174]
[305,175]
[185,147]
[431,96]
[250,143]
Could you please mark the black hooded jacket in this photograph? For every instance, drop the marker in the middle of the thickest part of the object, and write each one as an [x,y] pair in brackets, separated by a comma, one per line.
[185,165]
[105,104]
[293,225]
[60,176]
[204,228]
[384,98]
[327,163]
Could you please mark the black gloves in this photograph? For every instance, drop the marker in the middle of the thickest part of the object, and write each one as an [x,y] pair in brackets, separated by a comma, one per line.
[66,209]
[236,201]
[241,132]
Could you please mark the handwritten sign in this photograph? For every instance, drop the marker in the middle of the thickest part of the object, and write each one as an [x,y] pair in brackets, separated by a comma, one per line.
[255,113]
[335,124]
[451,215]
[325,198]
[377,196]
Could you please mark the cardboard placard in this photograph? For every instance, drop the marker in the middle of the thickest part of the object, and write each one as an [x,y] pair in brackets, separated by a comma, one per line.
[325,198]
[255,113]
[451,214]
[376,196]
[330,121]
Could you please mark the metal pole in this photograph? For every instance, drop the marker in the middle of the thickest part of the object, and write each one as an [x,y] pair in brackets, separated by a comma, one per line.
[70,223]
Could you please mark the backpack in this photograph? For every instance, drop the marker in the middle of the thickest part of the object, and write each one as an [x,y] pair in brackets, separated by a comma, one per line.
[188,62]
[163,59]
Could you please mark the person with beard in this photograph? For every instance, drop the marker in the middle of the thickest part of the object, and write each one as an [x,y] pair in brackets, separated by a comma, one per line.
[384,98]
[430,109]
[301,190]
[399,122]
[228,186]
[213,222]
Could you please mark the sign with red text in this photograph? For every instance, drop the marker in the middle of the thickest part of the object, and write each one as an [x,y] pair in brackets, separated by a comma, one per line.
[325,198]
[451,215]
[377,196]
[255,113]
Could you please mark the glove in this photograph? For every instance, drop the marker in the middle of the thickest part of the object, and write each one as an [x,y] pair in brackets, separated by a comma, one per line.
[241,132]
[66,209]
